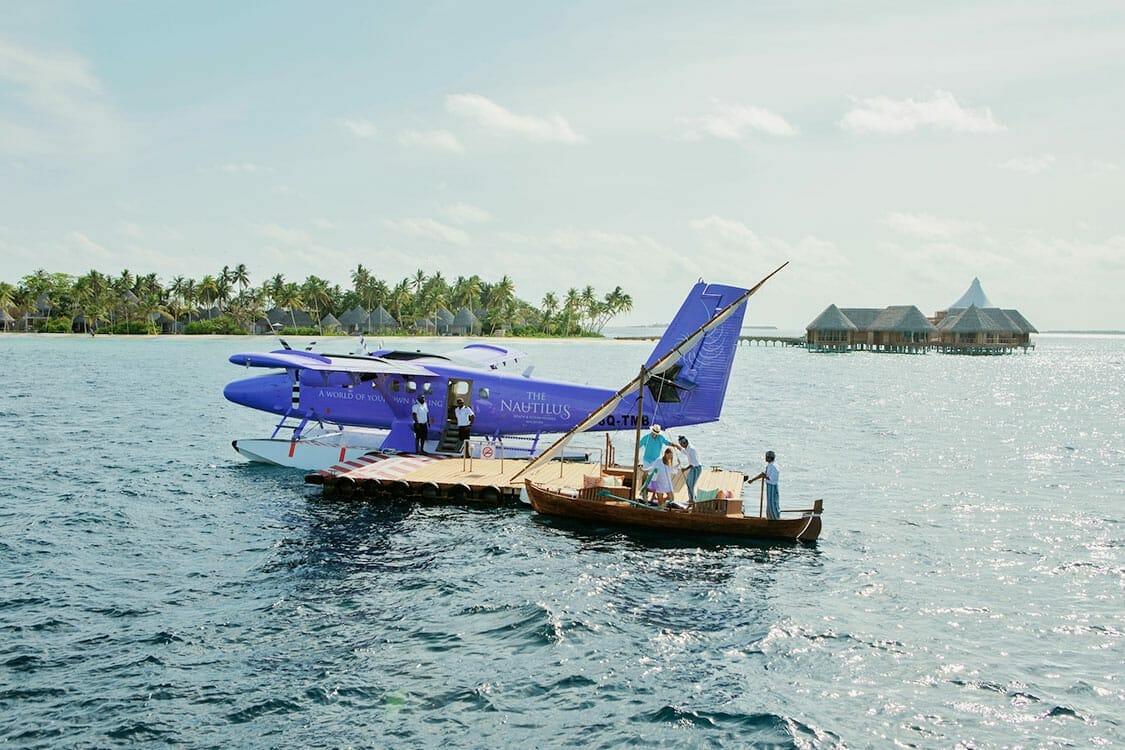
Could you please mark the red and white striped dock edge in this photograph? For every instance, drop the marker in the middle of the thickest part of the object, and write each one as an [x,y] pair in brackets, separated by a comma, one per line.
[379,466]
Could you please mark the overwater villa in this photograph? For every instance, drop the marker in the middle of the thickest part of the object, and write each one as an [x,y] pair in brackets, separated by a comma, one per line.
[971,325]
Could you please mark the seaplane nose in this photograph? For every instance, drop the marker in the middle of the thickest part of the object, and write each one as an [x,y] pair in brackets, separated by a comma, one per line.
[266,392]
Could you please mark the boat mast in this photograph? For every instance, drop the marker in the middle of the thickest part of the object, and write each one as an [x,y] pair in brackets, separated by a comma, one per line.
[658,367]
[637,442]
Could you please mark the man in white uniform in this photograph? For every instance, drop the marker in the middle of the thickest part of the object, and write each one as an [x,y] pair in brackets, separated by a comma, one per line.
[465,417]
[421,414]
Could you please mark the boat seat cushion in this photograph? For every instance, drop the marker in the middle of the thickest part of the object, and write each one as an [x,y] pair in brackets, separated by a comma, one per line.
[703,495]
[591,480]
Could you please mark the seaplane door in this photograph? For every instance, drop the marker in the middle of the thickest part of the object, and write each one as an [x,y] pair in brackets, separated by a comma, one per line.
[458,389]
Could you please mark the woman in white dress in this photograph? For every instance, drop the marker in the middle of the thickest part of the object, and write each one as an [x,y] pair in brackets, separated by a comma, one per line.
[661,484]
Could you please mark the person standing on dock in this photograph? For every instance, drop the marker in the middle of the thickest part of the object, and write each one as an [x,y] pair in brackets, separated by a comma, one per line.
[465,416]
[421,414]
[770,476]
[694,468]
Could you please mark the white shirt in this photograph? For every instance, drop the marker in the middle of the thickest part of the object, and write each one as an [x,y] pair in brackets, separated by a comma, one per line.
[692,456]
[772,473]
[464,414]
[421,413]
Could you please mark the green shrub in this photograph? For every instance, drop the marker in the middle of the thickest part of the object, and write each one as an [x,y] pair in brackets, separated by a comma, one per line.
[54,325]
[224,324]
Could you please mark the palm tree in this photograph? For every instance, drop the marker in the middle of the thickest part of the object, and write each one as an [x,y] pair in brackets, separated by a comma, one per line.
[418,281]
[224,289]
[569,306]
[273,287]
[379,292]
[7,295]
[361,283]
[208,292]
[503,298]
[399,297]
[290,297]
[241,276]
[550,305]
[315,292]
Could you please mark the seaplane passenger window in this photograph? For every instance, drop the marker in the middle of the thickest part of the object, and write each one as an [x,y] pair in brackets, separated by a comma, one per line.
[461,388]
[482,393]
[396,386]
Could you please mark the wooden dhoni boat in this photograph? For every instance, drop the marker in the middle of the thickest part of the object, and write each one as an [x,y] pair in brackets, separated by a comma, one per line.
[719,516]
[618,505]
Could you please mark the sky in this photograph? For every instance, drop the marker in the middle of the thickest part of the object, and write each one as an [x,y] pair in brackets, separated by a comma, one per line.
[889,151]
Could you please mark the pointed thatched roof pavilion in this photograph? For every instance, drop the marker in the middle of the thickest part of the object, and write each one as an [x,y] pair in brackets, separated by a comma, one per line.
[354,320]
[329,323]
[974,295]
[831,331]
[465,323]
[380,320]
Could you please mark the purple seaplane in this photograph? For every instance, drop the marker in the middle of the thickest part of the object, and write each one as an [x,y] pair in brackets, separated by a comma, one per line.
[338,406]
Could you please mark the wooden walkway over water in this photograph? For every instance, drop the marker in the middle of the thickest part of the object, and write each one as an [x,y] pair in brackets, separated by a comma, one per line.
[755,340]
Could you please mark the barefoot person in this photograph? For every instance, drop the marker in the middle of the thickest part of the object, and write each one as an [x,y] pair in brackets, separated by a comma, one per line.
[770,475]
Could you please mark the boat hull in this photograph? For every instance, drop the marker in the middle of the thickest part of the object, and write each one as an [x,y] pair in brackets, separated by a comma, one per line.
[805,528]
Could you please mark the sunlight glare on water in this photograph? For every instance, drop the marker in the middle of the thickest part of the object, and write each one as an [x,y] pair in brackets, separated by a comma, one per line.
[967,588]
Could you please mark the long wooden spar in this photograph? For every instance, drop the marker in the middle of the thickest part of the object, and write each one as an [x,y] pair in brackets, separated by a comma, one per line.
[661,365]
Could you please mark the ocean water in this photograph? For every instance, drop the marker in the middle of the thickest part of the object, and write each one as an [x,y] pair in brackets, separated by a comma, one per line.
[967,590]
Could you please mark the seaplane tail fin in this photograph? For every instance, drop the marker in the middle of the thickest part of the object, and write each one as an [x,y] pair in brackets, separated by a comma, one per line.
[693,389]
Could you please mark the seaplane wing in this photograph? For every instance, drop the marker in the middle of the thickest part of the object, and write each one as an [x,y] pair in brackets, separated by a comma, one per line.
[294,360]
[491,356]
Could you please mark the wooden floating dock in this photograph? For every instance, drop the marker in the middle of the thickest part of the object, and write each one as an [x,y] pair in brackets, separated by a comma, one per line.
[408,476]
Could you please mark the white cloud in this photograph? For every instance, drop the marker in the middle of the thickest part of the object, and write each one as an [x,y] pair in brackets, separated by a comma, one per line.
[429,229]
[237,167]
[323,224]
[87,247]
[927,226]
[438,140]
[491,116]
[58,105]
[129,229]
[1100,167]
[359,127]
[730,244]
[941,111]
[463,213]
[284,235]
[734,122]
[1036,164]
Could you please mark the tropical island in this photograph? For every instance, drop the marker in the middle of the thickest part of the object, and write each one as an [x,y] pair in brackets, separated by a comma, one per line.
[228,303]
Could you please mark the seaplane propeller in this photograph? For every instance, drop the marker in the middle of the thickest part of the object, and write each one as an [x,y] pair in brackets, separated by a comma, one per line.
[310,346]
[285,344]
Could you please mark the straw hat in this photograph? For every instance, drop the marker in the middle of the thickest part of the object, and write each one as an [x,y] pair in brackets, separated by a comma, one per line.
[656,429]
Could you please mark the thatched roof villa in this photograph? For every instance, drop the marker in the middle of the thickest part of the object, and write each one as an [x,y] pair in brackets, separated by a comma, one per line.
[971,325]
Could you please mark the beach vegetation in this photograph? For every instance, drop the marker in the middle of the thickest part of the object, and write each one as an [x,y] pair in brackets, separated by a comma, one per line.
[227,302]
